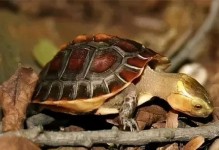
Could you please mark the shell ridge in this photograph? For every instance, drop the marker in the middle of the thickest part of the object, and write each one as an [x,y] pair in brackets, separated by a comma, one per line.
[106,86]
[120,78]
[44,73]
[48,92]
[142,57]
[87,64]
[116,41]
[118,50]
[60,87]
[90,63]
[37,91]
[132,67]
[91,89]
[75,91]
[68,55]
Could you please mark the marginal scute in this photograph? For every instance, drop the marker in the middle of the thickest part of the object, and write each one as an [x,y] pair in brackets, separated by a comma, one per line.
[82,38]
[83,90]
[56,90]
[128,75]
[126,46]
[115,85]
[147,53]
[68,91]
[102,37]
[99,89]
[137,62]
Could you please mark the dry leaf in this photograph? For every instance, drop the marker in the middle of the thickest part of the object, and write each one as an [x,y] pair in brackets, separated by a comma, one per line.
[71,128]
[115,121]
[157,125]
[147,115]
[173,146]
[15,96]
[195,143]
[172,119]
[16,143]
[215,145]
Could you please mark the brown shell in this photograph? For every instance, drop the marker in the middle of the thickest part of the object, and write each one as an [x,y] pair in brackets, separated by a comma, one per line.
[90,70]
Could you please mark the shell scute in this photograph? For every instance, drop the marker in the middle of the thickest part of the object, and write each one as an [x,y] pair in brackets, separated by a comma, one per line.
[77,60]
[103,61]
[128,75]
[115,85]
[126,46]
[137,62]
[99,89]
[55,65]
[147,53]
[56,90]
[69,91]
[83,90]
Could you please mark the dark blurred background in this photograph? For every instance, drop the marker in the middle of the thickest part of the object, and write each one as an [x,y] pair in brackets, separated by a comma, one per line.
[163,25]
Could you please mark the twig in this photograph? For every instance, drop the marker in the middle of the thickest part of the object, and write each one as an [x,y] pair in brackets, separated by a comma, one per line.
[88,138]
[198,37]
[179,42]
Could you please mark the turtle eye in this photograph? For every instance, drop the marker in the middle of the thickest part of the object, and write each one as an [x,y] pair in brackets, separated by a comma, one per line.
[198,106]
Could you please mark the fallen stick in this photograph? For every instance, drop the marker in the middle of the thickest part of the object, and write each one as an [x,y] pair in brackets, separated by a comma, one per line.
[88,138]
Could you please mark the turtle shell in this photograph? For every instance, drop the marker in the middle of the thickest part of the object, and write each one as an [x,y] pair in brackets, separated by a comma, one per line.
[89,70]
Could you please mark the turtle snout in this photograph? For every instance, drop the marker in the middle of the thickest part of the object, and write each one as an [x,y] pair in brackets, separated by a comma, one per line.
[202,108]
[208,111]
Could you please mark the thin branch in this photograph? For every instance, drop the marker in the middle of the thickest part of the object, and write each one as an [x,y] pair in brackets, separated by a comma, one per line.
[198,37]
[88,138]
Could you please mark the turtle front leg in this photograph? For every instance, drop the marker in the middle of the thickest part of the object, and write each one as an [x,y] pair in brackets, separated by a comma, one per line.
[128,107]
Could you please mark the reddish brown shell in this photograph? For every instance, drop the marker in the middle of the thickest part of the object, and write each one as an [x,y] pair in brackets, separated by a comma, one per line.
[92,69]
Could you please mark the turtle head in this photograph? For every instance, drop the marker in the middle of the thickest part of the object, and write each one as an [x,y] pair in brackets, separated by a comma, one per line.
[190,97]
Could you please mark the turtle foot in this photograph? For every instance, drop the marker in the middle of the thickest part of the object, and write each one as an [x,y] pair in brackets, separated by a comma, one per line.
[128,108]
[129,123]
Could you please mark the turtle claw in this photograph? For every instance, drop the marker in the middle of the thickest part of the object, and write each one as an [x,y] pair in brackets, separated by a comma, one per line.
[131,124]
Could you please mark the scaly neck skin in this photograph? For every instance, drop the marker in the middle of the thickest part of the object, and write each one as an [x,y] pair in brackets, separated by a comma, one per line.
[158,84]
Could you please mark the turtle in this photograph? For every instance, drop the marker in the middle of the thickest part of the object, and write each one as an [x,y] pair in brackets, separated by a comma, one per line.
[105,74]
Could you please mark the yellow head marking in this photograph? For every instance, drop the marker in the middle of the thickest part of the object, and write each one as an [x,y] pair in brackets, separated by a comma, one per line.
[190,98]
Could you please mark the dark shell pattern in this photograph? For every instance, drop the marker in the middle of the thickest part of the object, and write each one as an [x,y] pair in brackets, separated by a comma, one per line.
[92,66]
